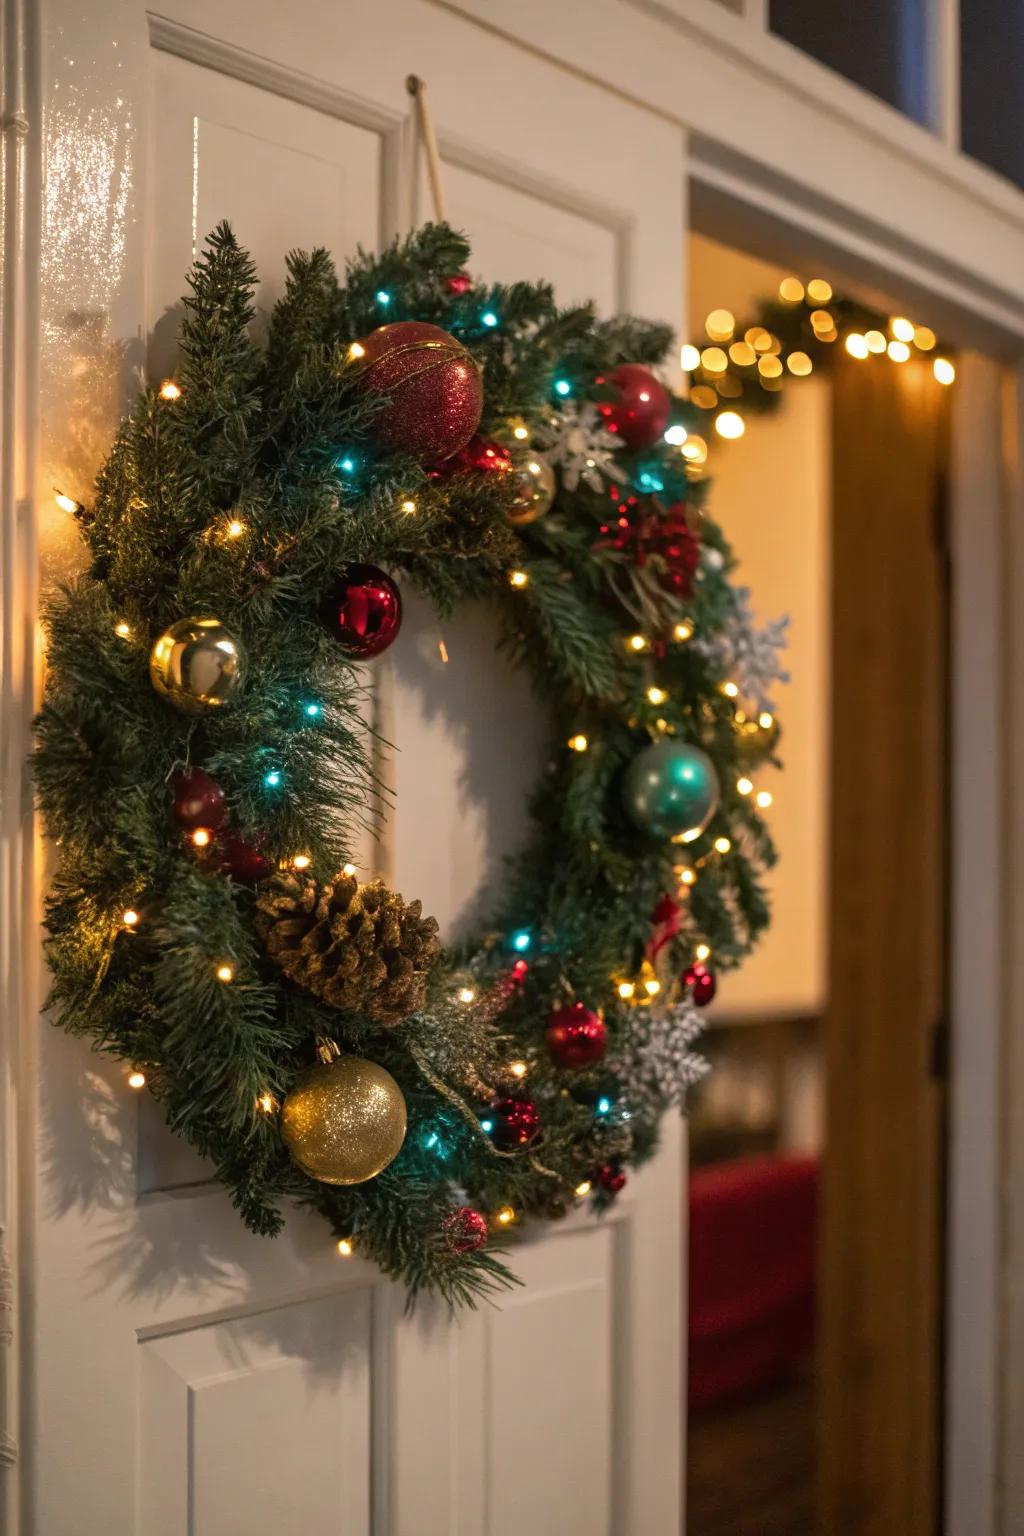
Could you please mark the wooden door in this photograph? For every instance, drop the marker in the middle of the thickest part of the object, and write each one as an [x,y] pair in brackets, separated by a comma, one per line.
[178,1375]
[881,1276]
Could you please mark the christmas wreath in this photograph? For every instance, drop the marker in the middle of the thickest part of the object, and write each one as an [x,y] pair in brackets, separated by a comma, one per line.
[203,765]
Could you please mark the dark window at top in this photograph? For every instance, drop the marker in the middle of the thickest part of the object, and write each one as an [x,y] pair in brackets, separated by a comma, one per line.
[879,45]
[992,84]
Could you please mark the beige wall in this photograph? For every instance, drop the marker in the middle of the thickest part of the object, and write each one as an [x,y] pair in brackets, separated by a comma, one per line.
[771,494]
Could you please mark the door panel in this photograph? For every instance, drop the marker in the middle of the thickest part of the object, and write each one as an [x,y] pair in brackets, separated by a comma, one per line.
[283,174]
[218,1406]
[207,1379]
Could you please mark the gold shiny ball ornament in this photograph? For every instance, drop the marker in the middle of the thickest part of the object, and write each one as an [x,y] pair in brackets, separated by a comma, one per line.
[344,1121]
[535,486]
[757,737]
[196,665]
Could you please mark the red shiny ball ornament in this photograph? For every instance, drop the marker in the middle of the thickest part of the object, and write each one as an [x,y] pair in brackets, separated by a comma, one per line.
[198,800]
[363,611]
[459,283]
[241,859]
[702,984]
[434,388]
[465,1230]
[639,413]
[576,1037]
[610,1177]
[482,454]
[515,1123]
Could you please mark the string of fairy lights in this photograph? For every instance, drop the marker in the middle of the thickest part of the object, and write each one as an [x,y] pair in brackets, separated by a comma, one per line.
[739,365]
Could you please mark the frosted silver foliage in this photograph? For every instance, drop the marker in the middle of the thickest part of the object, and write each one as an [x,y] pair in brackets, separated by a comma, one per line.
[655,1066]
[747,653]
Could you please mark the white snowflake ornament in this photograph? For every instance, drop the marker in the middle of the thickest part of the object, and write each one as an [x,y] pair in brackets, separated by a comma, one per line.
[578,445]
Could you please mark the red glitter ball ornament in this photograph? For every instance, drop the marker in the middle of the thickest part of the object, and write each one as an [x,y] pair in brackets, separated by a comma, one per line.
[465,1230]
[702,984]
[459,283]
[514,1123]
[641,408]
[610,1177]
[198,800]
[433,386]
[576,1037]
[240,858]
[363,610]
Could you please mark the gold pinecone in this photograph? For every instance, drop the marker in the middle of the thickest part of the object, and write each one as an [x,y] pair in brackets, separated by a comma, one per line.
[360,948]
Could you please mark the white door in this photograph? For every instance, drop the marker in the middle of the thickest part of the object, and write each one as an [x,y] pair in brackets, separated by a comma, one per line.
[174,1373]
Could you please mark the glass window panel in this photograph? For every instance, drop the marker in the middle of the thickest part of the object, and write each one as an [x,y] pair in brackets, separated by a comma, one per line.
[880,46]
[992,84]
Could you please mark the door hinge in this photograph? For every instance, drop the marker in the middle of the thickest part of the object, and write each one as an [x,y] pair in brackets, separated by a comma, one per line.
[940,517]
[938,1052]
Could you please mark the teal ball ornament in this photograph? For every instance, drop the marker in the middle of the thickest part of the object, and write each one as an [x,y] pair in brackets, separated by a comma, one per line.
[671,790]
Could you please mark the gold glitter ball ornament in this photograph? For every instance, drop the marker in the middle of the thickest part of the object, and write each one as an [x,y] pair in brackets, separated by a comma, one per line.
[535,486]
[344,1121]
[197,665]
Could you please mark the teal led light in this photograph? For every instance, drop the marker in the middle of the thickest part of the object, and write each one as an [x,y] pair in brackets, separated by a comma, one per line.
[347,464]
[489,318]
[487,1125]
[521,940]
[312,710]
[604,1106]
[563,387]
[272,779]
[649,482]
[383,297]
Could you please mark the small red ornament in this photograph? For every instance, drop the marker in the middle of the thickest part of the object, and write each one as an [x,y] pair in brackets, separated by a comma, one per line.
[198,800]
[515,1123]
[363,610]
[702,984]
[434,388]
[666,920]
[576,1037]
[610,1177]
[465,1230]
[459,283]
[639,413]
[241,859]
[482,454]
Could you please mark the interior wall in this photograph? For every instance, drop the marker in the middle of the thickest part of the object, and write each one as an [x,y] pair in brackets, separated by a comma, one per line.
[771,493]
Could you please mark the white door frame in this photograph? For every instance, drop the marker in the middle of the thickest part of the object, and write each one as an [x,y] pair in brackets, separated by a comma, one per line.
[789,143]
[778,143]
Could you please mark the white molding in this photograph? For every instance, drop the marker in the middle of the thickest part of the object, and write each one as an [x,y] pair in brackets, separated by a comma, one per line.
[764,106]
[1010,1410]
[843,100]
[20,115]
[978,932]
[174,37]
[195,47]
[861,242]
